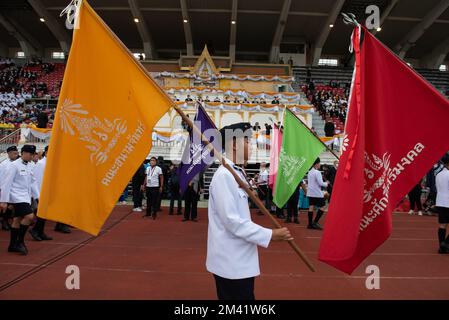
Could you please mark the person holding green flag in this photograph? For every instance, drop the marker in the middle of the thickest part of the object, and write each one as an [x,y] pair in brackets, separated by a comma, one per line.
[300,148]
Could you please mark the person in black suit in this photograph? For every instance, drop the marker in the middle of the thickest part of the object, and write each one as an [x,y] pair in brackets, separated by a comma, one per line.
[137,181]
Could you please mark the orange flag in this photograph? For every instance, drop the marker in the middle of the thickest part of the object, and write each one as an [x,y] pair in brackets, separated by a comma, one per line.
[107,109]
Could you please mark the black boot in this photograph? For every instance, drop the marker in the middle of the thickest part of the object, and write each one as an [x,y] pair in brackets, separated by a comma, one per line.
[315,224]
[35,234]
[296,220]
[13,239]
[63,228]
[310,217]
[21,240]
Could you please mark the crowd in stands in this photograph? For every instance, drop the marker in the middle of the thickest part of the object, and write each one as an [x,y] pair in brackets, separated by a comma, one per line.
[329,101]
[17,84]
[227,99]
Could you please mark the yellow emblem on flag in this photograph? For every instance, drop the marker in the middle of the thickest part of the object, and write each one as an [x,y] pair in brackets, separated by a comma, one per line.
[107,109]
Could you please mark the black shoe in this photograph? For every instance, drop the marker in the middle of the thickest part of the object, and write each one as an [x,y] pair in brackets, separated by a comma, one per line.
[444,245]
[35,235]
[316,226]
[62,228]
[170,213]
[179,213]
[310,226]
[184,220]
[19,248]
[43,236]
[288,220]
[296,221]
[154,216]
[12,248]
[442,250]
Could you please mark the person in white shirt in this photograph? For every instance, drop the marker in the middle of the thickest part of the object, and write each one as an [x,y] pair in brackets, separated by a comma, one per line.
[19,188]
[154,184]
[262,183]
[37,232]
[13,155]
[232,237]
[315,195]
[442,204]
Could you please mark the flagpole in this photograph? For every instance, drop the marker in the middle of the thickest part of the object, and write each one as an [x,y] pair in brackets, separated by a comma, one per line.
[217,153]
[316,136]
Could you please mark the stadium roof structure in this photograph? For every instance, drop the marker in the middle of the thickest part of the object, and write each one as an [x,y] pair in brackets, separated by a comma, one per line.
[245,30]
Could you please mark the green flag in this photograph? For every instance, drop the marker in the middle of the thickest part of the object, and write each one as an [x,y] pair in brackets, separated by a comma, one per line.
[299,150]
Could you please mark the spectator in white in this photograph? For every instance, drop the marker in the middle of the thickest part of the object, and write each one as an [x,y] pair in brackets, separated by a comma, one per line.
[263,184]
[19,188]
[13,155]
[37,232]
[154,186]
[442,205]
[315,195]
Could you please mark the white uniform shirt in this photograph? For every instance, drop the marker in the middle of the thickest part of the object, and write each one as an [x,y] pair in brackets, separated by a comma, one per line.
[153,176]
[19,185]
[232,237]
[263,177]
[38,172]
[3,170]
[315,183]
[442,184]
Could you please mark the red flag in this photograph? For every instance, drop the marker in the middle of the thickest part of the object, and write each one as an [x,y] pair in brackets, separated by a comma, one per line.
[274,156]
[396,130]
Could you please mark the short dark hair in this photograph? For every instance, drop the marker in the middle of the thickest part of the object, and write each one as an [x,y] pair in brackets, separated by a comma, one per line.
[317,161]
[445,159]
[153,158]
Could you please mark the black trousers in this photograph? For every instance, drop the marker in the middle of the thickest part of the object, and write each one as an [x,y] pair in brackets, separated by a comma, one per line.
[152,200]
[234,289]
[292,206]
[137,195]
[191,204]
[264,194]
[415,200]
[175,195]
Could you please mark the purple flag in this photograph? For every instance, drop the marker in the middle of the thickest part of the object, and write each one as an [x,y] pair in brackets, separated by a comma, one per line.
[196,157]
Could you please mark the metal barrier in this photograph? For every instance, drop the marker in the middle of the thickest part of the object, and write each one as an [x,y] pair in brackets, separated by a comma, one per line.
[10,140]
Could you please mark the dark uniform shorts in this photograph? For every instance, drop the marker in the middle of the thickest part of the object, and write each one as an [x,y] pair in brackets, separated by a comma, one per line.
[317,202]
[443,215]
[21,209]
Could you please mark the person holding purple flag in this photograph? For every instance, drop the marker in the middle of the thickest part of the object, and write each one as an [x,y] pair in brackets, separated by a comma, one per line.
[196,157]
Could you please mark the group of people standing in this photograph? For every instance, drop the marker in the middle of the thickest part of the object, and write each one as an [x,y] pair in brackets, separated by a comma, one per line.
[308,195]
[150,180]
[20,186]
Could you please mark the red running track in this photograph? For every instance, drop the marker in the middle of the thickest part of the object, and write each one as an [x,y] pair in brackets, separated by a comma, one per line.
[136,258]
